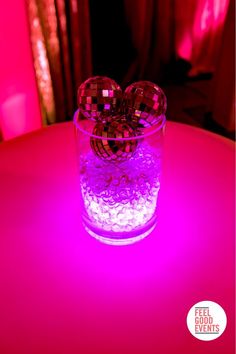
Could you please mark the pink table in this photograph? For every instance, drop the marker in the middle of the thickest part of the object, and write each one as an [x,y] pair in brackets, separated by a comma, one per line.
[61,291]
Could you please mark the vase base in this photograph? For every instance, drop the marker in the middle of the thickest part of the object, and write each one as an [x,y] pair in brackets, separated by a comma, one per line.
[119,238]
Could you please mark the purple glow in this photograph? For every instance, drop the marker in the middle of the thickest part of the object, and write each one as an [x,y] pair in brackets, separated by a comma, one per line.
[120,201]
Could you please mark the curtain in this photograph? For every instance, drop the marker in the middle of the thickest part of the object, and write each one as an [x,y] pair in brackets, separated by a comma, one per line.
[131,40]
[205,35]
[174,29]
[112,46]
[61,46]
[223,89]
[152,27]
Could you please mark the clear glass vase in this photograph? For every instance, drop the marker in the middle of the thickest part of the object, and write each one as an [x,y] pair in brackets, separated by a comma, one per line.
[119,191]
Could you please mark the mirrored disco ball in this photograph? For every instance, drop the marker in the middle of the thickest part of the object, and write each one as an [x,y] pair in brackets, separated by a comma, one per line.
[114,150]
[144,103]
[98,97]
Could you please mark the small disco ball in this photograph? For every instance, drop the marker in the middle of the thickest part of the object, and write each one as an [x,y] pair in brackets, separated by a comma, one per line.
[98,97]
[114,150]
[144,102]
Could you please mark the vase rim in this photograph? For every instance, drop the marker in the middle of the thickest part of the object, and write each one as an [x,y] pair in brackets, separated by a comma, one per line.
[148,131]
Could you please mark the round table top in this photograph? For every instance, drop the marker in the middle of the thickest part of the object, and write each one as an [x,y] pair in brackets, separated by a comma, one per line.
[61,291]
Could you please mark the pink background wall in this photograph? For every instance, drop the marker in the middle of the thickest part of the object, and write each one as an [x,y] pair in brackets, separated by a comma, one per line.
[19,103]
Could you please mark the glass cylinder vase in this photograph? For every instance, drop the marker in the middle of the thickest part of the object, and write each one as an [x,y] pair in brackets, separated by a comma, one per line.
[119,176]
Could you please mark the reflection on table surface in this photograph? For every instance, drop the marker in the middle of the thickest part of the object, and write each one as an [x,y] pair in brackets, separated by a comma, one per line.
[64,292]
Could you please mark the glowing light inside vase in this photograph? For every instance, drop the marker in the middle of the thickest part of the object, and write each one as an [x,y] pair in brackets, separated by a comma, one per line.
[121,198]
